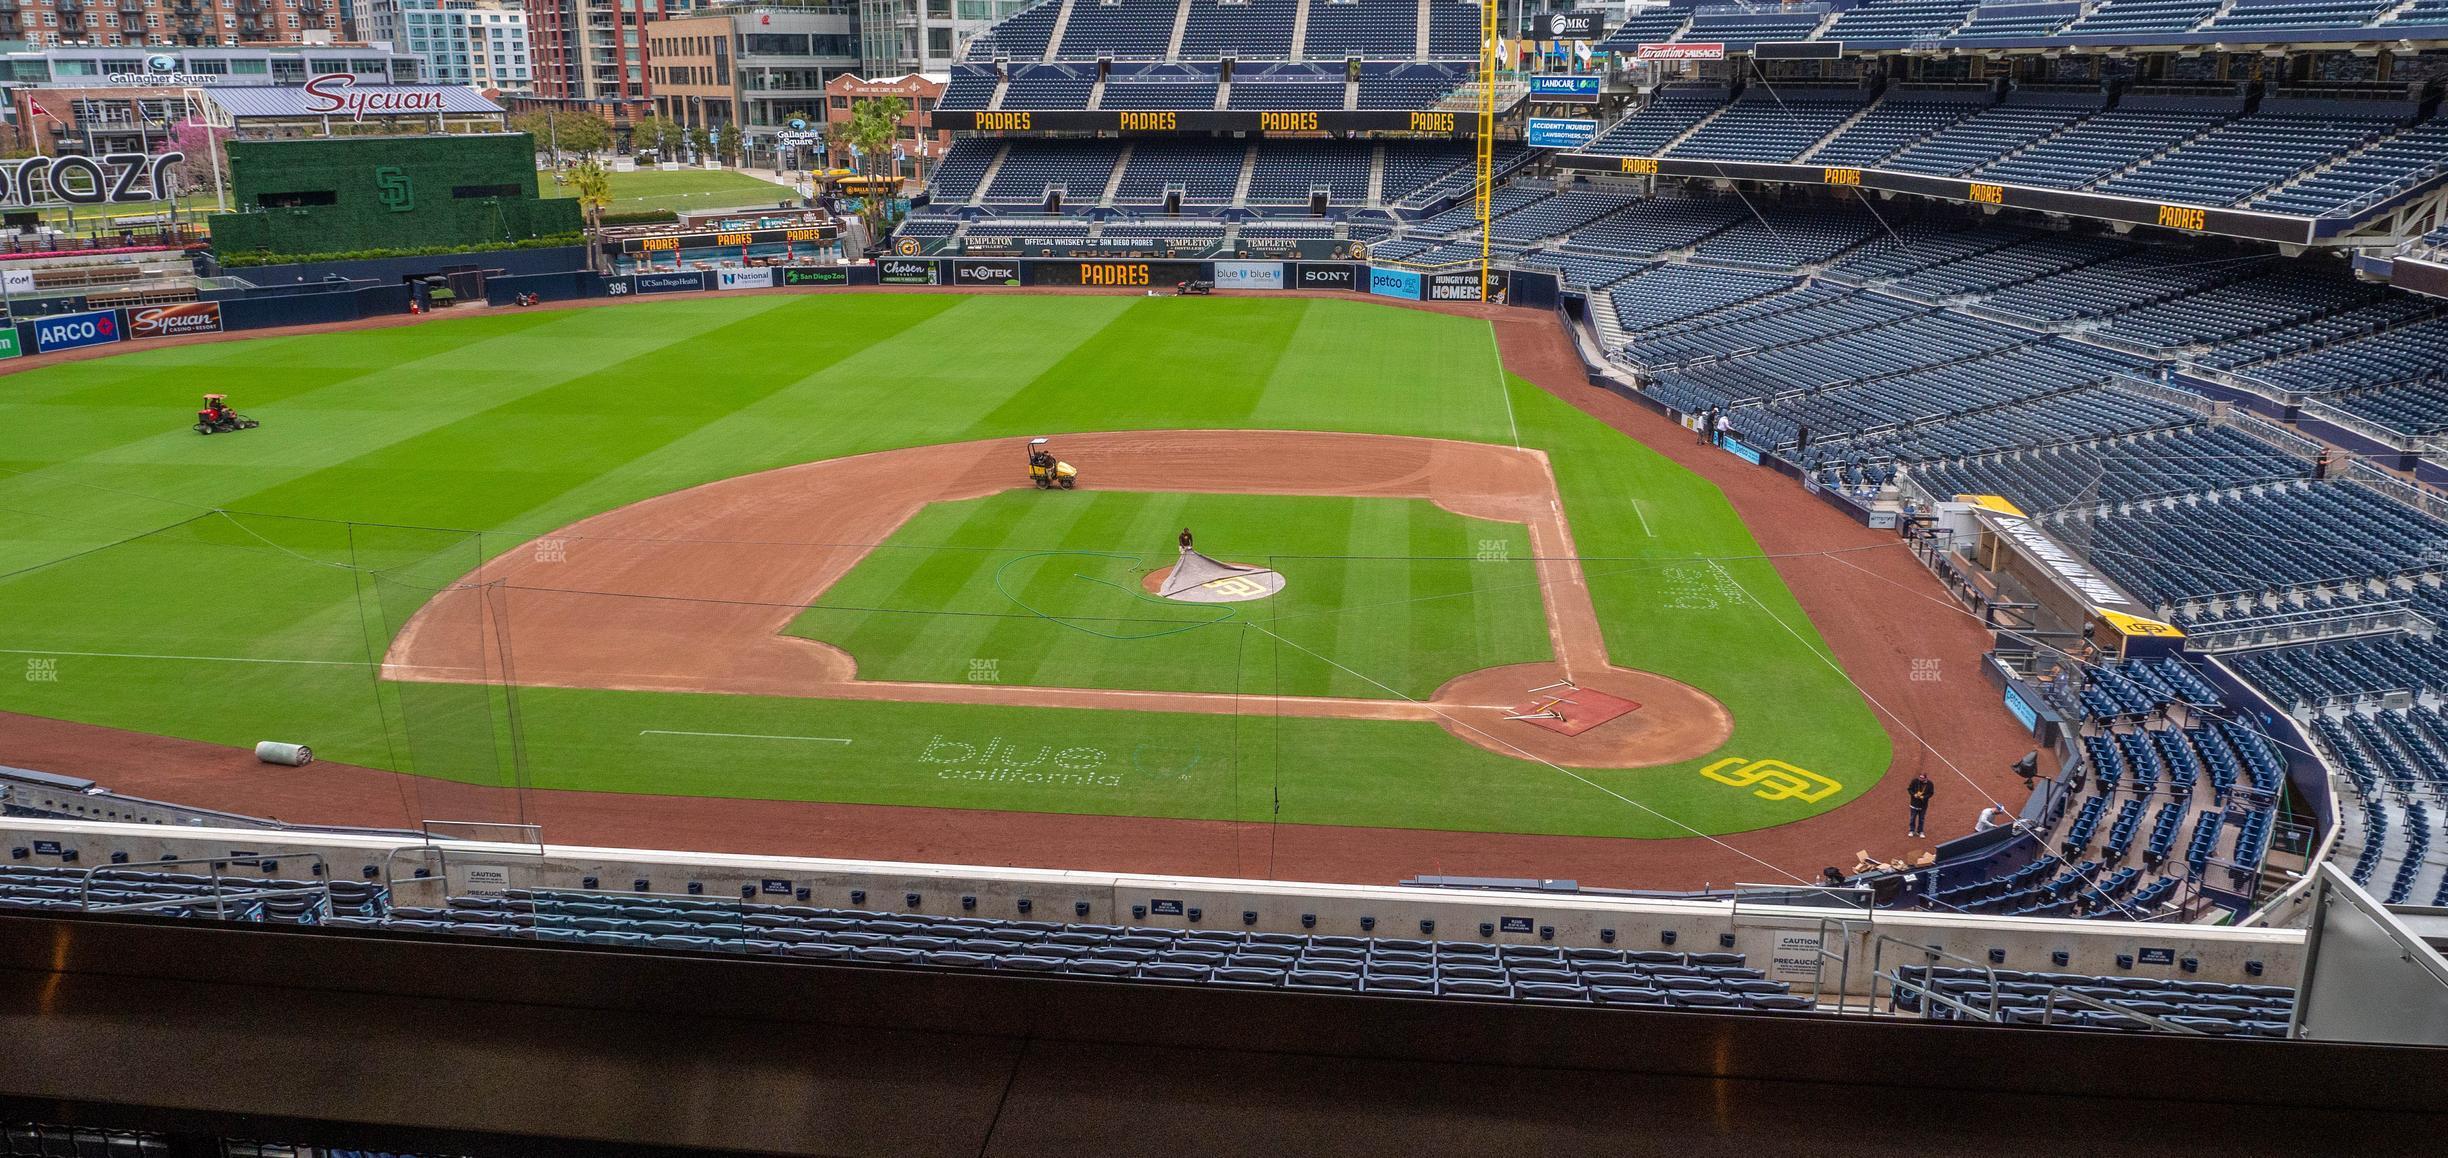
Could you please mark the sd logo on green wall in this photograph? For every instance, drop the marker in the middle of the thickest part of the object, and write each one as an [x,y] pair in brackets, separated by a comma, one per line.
[394,189]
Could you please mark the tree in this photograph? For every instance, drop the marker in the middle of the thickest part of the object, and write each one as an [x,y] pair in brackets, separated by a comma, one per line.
[701,143]
[581,133]
[870,132]
[594,188]
[647,132]
[669,137]
[203,156]
[727,143]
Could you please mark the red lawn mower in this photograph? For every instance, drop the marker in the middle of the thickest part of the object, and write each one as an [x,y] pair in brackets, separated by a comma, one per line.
[217,417]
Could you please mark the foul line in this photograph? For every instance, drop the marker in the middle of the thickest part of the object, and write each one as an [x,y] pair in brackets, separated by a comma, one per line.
[180,658]
[743,736]
[1644,518]
[1504,387]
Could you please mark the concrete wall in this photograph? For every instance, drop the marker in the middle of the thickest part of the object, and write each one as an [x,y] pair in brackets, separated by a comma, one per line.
[1781,941]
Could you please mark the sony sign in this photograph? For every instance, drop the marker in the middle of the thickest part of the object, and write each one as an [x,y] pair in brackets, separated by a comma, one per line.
[336,92]
[113,178]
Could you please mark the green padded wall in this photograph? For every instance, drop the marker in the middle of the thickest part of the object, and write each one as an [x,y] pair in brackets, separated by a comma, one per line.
[348,194]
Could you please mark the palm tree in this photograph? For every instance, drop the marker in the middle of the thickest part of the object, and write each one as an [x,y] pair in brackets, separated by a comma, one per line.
[873,127]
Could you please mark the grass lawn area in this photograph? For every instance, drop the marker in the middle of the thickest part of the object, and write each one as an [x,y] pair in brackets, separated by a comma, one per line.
[1046,587]
[678,189]
[215,588]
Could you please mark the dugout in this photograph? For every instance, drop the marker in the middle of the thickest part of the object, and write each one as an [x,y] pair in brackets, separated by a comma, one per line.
[343,195]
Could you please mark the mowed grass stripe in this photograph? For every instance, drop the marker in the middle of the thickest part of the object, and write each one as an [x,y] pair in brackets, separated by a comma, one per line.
[1164,362]
[1435,368]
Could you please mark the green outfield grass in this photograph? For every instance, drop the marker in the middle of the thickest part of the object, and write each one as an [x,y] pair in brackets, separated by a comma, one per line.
[677,189]
[217,588]
[1390,595]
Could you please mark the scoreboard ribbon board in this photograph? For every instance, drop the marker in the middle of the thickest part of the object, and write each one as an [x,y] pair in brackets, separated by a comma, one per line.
[1427,122]
[730,239]
[2276,227]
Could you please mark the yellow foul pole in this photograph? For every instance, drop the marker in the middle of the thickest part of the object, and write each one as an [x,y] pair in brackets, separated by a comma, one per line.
[1487,135]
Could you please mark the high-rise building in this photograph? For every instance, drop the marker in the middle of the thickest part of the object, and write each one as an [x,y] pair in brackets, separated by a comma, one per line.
[906,36]
[757,66]
[593,53]
[109,23]
[479,43]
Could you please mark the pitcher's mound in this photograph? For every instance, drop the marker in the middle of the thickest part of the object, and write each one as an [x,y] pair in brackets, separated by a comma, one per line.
[1210,581]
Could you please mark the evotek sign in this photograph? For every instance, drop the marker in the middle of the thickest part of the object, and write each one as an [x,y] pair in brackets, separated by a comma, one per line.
[69,331]
[172,321]
[985,273]
[115,178]
[336,93]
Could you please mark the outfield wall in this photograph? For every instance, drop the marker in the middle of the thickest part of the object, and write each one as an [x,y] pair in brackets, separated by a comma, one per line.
[1782,941]
[329,293]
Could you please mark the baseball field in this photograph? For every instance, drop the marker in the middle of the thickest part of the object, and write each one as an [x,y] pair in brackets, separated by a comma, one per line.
[782,547]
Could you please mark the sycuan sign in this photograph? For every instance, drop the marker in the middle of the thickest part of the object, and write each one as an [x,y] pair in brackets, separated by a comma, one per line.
[334,93]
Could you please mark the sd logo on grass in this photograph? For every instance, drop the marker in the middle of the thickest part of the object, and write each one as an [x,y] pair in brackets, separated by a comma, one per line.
[1772,779]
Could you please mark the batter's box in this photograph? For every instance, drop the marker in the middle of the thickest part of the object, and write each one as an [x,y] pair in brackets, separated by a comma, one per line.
[1572,711]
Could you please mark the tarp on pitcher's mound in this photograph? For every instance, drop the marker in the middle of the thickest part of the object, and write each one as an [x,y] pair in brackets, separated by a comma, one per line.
[1195,578]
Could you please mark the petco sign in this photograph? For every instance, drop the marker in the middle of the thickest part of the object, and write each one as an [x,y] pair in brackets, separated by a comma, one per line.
[335,93]
[69,331]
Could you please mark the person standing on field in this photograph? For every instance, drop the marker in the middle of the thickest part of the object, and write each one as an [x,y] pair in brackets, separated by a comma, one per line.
[1918,793]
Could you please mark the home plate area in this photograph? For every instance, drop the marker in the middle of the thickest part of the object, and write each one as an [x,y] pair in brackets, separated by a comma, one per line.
[1569,709]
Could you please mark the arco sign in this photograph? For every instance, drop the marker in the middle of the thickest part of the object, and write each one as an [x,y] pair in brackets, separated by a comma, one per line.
[113,178]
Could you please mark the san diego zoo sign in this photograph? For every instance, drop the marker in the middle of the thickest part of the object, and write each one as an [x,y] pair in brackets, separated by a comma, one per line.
[112,179]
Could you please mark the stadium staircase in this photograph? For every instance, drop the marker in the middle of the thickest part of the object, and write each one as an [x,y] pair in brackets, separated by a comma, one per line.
[1691,129]
[1113,184]
[1241,184]
[1376,184]
[1427,17]
[1838,131]
[1181,25]
[1054,38]
[986,180]
[1300,32]
[1096,92]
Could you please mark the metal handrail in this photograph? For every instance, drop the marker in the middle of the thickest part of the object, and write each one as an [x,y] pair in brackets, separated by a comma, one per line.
[1878,951]
[220,899]
[2048,1010]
